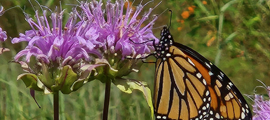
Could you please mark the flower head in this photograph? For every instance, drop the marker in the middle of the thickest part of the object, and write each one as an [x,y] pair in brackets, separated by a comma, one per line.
[119,32]
[61,55]
[49,41]
[92,39]
[94,43]
[117,29]
[261,106]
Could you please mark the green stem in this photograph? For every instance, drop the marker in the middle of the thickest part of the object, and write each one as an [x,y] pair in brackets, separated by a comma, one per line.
[56,105]
[107,100]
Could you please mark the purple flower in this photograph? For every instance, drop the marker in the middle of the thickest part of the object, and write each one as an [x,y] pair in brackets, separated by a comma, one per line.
[3,35]
[261,106]
[94,43]
[119,30]
[62,56]
[49,41]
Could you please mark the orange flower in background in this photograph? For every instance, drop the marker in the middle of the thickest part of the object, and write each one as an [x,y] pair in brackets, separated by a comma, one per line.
[210,42]
[204,2]
[179,28]
[191,9]
[182,21]
[185,14]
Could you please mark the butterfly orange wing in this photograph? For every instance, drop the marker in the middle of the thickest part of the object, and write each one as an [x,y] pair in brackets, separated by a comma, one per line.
[188,86]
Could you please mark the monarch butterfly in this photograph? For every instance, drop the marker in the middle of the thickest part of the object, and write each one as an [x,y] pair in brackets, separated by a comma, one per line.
[189,87]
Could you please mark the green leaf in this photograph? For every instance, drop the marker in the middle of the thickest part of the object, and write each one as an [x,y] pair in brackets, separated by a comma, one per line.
[77,84]
[87,70]
[30,81]
[66,79]
[128,85]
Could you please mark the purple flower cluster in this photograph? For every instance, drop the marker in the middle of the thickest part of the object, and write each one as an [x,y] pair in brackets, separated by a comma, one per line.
[93,39]
[96,32]
[49,41]
[115,31]
[261,107]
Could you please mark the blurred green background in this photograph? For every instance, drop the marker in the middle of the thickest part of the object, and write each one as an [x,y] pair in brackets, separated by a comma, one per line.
[233,34]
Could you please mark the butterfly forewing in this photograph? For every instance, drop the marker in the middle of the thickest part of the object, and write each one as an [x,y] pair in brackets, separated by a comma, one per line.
[188,86]
[227,101]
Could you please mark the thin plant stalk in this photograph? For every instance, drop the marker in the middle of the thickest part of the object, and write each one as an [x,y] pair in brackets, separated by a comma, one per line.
[56,105]
[107,100]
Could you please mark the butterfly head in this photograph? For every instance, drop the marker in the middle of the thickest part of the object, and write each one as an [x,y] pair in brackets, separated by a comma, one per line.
[166,40]
[166,37]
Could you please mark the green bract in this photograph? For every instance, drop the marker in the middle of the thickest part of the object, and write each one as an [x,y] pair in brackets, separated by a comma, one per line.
[64,79]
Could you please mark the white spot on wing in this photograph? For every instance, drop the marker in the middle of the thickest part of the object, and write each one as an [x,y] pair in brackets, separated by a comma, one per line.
[204,108]
[199,75]
[217,116]
[230,83]
[230,95]
[243,115]
[222,74]
[247,110]
[228,87]
[171,42]
[204,113]
[164,117]
[219,77]
[207,93]
[190,62]
[204,81]
[207,65]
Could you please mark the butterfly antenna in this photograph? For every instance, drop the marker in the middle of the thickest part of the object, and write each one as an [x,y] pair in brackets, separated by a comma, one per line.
[170,19]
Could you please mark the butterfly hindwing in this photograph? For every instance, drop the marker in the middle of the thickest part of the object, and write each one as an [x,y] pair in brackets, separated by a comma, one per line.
[188,86]
[227,101]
